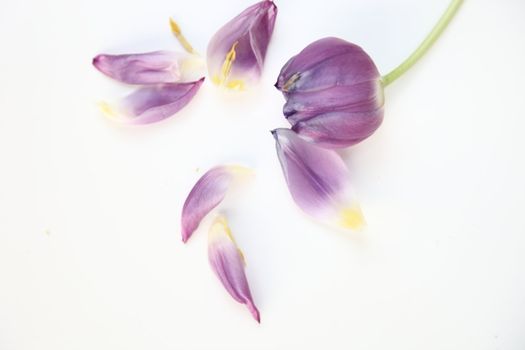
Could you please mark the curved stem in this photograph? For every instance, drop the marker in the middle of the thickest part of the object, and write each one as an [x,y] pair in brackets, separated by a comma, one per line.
[425,45]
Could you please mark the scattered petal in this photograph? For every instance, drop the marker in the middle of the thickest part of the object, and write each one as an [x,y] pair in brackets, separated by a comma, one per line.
[318,180]
[236,52]
[227,262]
[333,91]
[208,192]
[143,68]
[154,103]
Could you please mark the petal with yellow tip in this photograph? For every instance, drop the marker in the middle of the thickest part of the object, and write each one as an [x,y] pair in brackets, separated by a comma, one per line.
[227,262]
[206,194]
[318,181]
[153,103]
[236,52]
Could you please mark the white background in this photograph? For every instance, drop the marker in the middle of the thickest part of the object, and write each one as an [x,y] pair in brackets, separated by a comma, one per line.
[90,249]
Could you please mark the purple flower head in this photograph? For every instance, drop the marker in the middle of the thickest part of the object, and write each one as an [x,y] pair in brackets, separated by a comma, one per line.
[333,92]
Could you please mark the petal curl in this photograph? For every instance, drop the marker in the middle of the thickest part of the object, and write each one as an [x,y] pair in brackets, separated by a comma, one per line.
[237,51]
[154,103]
[227,262]
[206,194]
[318,180]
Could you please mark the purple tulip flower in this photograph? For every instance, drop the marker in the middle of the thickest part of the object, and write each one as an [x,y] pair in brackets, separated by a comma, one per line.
[333,91]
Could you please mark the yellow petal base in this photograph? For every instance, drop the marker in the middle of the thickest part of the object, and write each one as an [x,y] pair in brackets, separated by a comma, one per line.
[352,218]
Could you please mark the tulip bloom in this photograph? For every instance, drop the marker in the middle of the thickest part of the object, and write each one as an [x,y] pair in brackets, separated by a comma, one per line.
[333,93]
[153,103]
[208,192]
[227,262]
[318,180]
[236,52]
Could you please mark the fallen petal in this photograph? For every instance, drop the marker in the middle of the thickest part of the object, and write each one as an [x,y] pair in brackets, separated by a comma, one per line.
[143,68]
[157,67]
[318,180]
[227,262]
[237,51]
[154,103]
[207,193]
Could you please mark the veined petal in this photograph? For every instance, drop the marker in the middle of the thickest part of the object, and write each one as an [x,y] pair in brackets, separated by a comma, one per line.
[149,68]
[207,193]
[318,180]
[340,128]
[326,63]
[154,103]
[227,262]
[362,97]
[236,52]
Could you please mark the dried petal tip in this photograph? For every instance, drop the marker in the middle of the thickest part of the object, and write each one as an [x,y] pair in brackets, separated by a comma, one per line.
[333,91]
[151,104]
[318,181]
[227,262]
[237,51]
[208,192]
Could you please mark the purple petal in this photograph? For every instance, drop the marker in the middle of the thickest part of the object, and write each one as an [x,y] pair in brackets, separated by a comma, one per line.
[144,68]
[318,180]
[327,63]
[227,262]
[341,128]
[207,193]
[237,51]
[154,103]
[362,97]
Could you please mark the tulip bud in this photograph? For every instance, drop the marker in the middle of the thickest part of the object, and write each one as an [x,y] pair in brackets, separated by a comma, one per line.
[333,92]
[236,52]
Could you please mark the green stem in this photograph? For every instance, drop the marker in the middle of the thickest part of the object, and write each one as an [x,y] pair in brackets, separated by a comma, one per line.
[425,45]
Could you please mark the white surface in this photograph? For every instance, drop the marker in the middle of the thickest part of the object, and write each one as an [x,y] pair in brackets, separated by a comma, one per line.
[90,250]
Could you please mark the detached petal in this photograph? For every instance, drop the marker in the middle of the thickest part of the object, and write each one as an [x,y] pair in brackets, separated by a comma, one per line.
[227,262]
[153,103]
[318,180]
[236,52]
[150,68]
[143,68]
[207,193]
